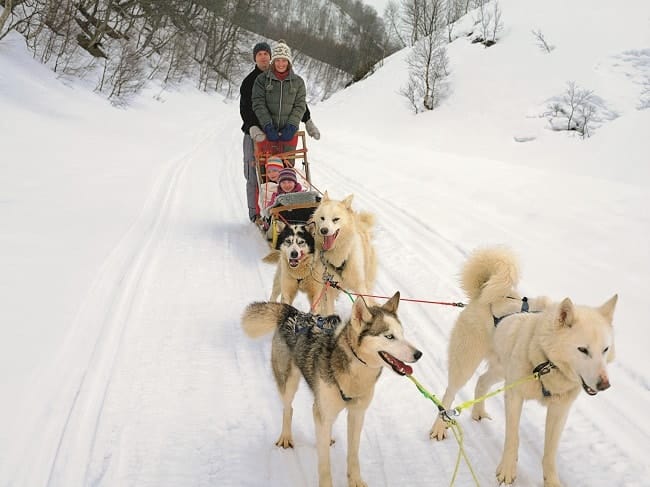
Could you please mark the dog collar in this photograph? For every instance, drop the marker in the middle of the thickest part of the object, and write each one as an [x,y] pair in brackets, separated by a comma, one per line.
[543,369]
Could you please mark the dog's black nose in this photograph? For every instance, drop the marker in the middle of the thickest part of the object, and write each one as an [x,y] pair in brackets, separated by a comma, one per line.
[294,254]
[324,231]
[417,355]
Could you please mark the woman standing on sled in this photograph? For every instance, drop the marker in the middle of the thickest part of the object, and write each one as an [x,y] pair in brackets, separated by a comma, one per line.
[279,98]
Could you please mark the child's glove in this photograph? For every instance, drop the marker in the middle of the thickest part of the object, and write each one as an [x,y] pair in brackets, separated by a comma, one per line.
[256,133]
[270,132]
[312,130]
[288,132]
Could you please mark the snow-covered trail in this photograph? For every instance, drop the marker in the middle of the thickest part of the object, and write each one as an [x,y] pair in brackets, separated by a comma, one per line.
[166,352]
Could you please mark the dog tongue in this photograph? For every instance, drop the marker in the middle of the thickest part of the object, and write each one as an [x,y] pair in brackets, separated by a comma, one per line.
[407,369]
[328,241]
[397,365]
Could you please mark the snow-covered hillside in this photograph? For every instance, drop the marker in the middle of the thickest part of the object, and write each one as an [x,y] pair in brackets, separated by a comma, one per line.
[126,259]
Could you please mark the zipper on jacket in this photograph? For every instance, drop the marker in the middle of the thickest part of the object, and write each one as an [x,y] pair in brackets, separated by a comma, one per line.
[280,108]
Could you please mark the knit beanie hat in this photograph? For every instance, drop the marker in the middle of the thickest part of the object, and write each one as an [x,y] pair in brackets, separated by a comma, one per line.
[274,161]
[287,173]
[261,46]
[281,51]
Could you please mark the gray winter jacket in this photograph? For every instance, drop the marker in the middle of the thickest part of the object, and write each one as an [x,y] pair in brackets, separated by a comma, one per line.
[279,102]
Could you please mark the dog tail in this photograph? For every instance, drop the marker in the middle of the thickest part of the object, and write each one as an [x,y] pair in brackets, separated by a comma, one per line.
[262,318]
[367,219]
[490,274]
[273,257]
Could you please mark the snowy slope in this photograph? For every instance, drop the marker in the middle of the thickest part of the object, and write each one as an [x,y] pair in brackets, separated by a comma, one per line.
[126,261]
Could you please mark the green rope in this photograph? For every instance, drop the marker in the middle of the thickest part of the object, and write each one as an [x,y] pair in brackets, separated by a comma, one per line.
[455,427]
[467,404]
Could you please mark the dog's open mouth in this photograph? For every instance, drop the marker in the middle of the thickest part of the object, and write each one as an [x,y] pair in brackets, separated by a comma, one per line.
[397,365]
[295,262]
[328,240]
[588,390]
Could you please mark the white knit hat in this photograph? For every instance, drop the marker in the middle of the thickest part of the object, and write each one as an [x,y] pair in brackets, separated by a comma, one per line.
[281,51]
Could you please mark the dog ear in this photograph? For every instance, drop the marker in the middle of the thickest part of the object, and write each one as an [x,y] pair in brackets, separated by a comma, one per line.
[392,304]
[607,309]
[347,202]
[360,311]
[326,196]
[273,257]
[566,313]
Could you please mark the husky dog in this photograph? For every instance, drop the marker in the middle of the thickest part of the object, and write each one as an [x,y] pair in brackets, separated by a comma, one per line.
[343,243]
[571,344]
[340,362]
[298,270]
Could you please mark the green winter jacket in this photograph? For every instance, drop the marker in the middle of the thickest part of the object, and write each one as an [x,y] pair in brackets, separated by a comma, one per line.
[279,102]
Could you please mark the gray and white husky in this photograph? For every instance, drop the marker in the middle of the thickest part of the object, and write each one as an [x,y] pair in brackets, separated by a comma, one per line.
[341,363]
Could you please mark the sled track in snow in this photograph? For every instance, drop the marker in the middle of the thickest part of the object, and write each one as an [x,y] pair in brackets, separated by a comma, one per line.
[110,302]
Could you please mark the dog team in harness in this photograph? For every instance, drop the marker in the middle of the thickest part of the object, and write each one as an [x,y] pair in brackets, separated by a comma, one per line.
[545,351]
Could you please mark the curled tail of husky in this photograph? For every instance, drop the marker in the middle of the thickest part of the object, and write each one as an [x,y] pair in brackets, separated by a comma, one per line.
[367,220]
[262,318]
[490,274]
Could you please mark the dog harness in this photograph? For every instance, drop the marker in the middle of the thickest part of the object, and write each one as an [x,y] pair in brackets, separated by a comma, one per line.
[343,396]
[544,367]
[524,309]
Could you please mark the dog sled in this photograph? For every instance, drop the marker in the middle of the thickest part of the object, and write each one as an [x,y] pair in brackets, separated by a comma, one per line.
[289,208]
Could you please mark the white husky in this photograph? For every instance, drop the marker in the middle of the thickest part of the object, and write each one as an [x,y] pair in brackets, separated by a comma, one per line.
[574,342]
[343,242]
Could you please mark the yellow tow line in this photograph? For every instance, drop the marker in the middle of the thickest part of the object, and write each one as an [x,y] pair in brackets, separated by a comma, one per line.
[448,416]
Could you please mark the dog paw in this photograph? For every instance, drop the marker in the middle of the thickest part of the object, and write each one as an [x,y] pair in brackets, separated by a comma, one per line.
[284,442]
[438,430]
[479,413]
[552,481]
[356,482]
[506,472]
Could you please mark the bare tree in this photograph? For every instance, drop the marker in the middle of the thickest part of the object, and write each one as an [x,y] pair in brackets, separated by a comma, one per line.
[4,16]
[489,21]
[428,67]
[394,28]
[575,110]
[541,41]
[575,99]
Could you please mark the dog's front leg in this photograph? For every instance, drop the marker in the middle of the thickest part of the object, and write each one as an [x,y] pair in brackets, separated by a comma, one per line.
[355,424]
[323,423]
[275,291]
[289,291]
[556,416]
[507,469]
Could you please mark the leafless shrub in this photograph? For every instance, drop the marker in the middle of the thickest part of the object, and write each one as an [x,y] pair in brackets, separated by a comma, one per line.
[541,41]
[577,109]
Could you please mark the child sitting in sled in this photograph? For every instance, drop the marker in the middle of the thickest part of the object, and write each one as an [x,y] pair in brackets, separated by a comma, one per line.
[287,183]
[273,167]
